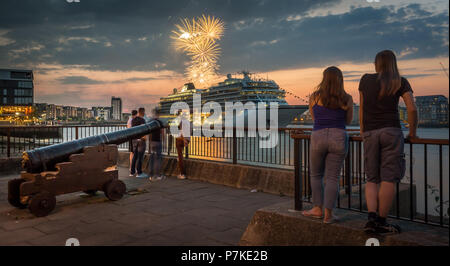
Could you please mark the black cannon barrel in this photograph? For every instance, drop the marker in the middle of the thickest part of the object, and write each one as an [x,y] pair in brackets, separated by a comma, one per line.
[45,158]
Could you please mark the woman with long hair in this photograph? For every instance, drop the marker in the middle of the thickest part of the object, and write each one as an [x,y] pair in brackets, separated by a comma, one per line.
[331,108]
[383,139]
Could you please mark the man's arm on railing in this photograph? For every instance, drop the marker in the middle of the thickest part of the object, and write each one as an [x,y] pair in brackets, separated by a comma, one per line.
[408,98]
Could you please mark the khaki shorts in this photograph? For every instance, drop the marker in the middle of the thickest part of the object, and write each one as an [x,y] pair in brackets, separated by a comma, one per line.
[384,157]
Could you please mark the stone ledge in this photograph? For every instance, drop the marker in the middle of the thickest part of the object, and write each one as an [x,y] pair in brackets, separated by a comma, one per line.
[269,180]
[275,225]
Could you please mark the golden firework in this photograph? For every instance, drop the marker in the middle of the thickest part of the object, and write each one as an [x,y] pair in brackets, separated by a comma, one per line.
[210,27]
[198,39]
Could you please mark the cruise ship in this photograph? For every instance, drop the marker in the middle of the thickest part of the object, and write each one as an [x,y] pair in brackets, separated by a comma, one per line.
[232,89]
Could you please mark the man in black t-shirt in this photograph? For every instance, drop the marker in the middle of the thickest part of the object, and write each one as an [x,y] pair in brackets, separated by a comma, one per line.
[138,147]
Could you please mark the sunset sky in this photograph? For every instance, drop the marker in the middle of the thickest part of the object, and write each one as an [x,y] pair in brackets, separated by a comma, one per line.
[84,53]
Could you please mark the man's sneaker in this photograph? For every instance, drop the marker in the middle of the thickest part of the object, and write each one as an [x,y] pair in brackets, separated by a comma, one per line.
[143,175]
[161,177]
[130,175]
[370,227]
[181,177]
[387,228]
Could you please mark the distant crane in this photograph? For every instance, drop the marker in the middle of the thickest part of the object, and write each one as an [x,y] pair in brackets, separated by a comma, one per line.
[443,69]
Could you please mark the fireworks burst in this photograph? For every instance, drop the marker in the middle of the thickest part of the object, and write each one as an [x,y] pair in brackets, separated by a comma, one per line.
[198,39]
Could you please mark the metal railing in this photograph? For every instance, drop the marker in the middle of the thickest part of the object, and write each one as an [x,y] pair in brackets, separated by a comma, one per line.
[422,196]
[237,150]
[16,139]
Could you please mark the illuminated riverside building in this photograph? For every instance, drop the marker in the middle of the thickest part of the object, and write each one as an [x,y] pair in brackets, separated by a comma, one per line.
[16,95]
[116,108]
[432,110]
[245,89]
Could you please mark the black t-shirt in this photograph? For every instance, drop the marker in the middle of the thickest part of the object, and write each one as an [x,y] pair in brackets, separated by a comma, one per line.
[156,134]
[380,113]
[137,121]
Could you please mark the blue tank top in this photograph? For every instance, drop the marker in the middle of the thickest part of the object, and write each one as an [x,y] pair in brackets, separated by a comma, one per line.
[328,118]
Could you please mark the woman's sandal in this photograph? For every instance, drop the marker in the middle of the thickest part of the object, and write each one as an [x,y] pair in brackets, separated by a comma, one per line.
[331,220]
[308,214]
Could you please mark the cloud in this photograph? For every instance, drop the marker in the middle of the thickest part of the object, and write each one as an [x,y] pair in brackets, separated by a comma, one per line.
[78,80]
[5,40]
[408,51]
[261,35]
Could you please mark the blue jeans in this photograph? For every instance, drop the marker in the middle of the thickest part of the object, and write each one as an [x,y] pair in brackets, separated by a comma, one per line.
[327,154]
[138,156]
[155,158]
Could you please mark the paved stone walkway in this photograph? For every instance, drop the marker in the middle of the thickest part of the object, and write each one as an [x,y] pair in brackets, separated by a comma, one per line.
[169,212]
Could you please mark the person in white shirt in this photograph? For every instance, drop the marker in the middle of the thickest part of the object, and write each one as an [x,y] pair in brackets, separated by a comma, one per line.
[133,115]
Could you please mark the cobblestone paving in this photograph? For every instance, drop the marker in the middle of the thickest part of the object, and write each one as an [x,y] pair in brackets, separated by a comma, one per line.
[168,212]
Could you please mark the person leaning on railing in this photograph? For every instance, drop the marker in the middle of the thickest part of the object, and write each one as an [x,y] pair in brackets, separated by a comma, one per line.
[331,108]
[130,143]
[383,139]
[155,151]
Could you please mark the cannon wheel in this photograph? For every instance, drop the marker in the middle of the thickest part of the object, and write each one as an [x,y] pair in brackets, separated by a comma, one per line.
[91,192]
[14,193]
[115,189]
[42,204]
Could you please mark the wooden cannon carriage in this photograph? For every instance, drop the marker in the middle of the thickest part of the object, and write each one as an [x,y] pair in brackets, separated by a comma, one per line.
[87,165]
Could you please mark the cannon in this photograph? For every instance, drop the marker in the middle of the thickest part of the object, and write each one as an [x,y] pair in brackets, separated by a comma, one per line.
[88,165]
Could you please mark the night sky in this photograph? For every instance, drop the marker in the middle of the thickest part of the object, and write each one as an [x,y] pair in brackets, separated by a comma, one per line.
[84,53]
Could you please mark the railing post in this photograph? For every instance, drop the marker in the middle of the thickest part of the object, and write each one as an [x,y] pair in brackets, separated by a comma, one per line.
[76,132]
[169,144]
[8,148]
[298,162]
[234,146]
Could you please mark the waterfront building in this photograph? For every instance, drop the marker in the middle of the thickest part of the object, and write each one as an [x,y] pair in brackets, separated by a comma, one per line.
[355,120]
[70,112]
[126,116]
[403,112]
[16,95]
[116,107]
[432,110]
[102,113]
